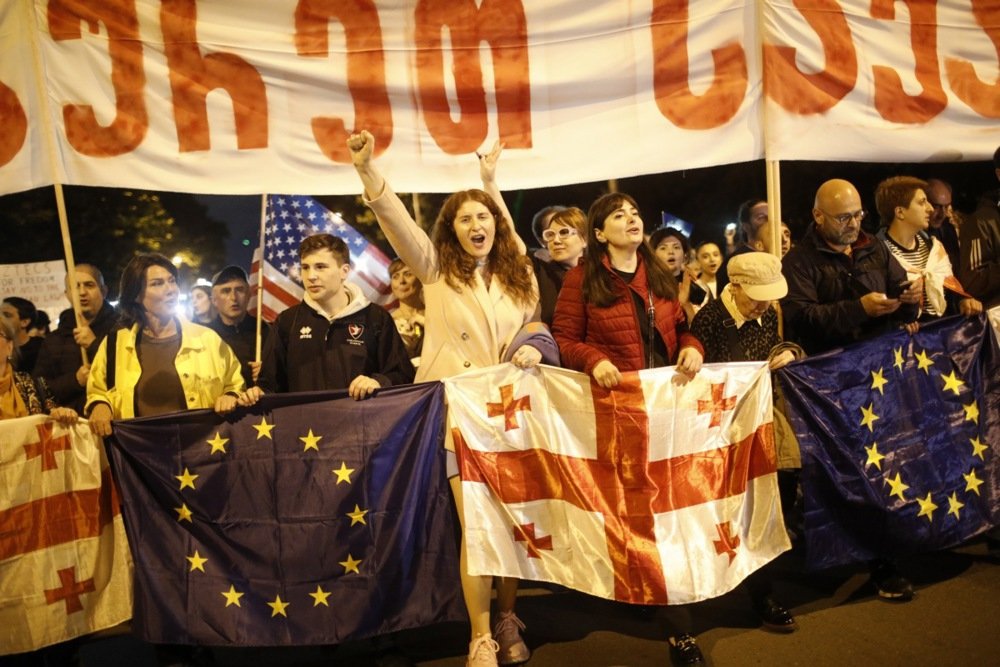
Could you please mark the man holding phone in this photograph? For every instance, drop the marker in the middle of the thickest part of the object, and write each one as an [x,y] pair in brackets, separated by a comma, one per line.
[844,285]
[906,212]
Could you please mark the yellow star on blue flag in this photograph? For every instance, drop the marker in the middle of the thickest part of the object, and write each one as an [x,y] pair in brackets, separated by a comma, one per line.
[951,382]
[311,441]
[868,417]
[264,429]
[924,362]
[879,381]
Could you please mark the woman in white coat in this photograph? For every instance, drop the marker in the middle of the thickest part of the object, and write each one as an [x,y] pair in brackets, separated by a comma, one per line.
[479,291]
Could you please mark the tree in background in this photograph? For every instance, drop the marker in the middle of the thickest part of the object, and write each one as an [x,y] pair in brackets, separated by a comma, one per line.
[108,226]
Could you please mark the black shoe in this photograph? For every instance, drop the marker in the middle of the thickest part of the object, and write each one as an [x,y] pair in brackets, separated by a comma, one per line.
[774,617]
[392,658]
[388,653]
[684,651]
[891,585]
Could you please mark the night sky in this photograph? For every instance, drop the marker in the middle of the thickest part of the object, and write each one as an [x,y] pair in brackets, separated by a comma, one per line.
[707,197]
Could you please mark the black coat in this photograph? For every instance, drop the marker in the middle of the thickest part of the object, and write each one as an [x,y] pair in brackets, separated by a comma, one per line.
[59,358]
[307,352]
[823,307]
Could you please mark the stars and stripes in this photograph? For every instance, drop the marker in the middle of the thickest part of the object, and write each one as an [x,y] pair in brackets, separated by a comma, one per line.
[290,219]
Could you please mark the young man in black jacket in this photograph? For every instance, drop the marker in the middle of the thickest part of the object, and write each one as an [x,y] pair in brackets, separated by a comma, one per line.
[335,338]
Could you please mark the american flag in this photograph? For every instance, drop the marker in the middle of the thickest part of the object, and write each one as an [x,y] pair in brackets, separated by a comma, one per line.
[291,218]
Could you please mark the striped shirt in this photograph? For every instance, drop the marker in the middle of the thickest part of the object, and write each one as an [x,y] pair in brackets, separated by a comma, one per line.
[916,256]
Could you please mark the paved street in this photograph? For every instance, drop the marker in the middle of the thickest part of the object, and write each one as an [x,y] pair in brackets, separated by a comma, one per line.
[954,620]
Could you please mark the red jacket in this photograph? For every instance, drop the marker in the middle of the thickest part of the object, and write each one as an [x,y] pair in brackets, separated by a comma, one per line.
[588,334]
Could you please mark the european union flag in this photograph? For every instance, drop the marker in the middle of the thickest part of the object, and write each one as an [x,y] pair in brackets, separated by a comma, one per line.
[899,441]
[309,519]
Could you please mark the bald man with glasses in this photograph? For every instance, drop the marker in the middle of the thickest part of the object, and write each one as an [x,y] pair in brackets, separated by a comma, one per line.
[844,285]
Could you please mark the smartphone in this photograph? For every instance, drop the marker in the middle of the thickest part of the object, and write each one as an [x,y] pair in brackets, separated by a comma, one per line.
[896,291]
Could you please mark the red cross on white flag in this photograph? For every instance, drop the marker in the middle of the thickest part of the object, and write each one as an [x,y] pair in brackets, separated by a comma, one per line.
[652,493]
[71,570]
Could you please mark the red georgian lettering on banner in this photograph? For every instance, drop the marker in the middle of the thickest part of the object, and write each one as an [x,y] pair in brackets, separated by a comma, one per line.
[365,70]
[891,101]
[983,97]
[503,25]
[807,94]
[719,104]
[128,77]
[14,123]
[193,76]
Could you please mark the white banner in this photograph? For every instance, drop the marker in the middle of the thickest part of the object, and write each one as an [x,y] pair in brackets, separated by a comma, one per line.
[42,283]
[235,97]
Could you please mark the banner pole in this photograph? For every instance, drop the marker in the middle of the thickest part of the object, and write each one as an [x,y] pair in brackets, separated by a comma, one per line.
[260,275]
[774,206]
[50,144]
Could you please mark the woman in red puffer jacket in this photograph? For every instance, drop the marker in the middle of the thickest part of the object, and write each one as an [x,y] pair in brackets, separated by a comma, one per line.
[618,310]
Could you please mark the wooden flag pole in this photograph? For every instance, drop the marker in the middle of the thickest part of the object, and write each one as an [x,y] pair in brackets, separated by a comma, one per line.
[49,134]
[774,206]
[774,220]
[260,274]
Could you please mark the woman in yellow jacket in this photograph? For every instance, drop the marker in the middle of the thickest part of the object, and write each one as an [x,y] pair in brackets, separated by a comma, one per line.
[159,363]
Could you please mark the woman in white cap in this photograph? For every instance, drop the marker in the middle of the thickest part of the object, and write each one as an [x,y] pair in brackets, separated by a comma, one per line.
[742,325]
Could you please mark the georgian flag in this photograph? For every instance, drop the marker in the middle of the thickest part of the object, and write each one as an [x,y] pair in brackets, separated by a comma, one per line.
[65,568]
[655,492]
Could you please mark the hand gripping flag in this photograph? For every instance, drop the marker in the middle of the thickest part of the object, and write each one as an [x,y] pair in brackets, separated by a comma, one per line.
[290,219]
[899,439]
[652,493]
[65,569]
[306,520]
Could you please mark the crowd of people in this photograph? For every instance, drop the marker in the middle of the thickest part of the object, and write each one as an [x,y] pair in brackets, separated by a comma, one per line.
[600,295]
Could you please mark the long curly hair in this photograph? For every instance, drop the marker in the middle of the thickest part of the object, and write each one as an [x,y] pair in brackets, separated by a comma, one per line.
[505,261]
[598,283]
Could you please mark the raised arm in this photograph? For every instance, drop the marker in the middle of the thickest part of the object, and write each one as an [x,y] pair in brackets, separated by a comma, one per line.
[361,146]
[488,173]
[405,236]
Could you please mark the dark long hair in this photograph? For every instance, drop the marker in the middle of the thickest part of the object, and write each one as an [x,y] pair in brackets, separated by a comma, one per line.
[506,263]
[133,284]
[598,282]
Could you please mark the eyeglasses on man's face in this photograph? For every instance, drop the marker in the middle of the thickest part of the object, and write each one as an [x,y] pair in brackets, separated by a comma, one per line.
[563,233]
[845,218]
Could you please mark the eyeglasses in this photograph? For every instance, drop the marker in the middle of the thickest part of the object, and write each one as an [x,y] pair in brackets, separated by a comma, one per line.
[563,233]
[940,206]
[845,218]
